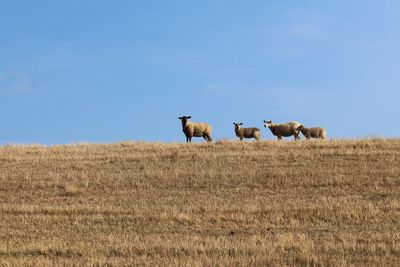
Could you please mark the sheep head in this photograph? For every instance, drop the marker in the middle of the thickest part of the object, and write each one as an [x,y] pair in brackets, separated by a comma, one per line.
[267,124]
[184,119]
[237,125]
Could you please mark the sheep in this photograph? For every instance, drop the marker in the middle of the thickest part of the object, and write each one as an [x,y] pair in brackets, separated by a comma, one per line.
[246,132]
[315,132]
[195,129]
[285,129]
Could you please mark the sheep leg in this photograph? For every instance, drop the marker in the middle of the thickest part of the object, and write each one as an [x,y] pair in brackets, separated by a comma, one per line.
[207,137]
[279,137]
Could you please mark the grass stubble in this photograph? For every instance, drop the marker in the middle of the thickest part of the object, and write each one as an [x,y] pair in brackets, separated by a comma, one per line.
[269,203]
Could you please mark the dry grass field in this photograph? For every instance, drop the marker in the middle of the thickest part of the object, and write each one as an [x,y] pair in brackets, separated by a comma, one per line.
[307,203]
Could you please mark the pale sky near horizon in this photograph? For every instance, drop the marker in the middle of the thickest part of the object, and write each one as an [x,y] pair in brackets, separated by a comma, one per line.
[109,71]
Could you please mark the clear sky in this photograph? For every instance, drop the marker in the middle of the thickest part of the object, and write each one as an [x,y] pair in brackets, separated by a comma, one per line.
[107,71]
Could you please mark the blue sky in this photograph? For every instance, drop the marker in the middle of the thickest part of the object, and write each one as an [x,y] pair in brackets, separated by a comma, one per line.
[107,71]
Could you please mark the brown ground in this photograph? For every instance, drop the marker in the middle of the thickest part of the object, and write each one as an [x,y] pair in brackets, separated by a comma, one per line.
[315,203]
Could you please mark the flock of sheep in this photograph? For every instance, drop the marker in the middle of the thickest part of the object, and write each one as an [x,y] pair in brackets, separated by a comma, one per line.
[198,129]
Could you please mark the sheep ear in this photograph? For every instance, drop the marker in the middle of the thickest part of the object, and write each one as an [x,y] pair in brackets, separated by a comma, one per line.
[180,118]
[234,123]
[265,121]
[241,123]
[188,117]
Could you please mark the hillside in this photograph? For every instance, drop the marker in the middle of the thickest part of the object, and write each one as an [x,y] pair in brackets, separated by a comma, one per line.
[321,203]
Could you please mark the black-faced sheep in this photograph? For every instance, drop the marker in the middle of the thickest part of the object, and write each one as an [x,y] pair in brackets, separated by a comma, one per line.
[315,132]
[246,132]
[284,130]
[195,129]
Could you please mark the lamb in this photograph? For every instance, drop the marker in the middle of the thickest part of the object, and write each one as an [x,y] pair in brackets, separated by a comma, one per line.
[195,129]
[315,132]
[285,129]
[246,132]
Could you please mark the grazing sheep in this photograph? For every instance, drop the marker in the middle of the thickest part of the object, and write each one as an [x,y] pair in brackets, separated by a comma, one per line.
[285,129]
[316,132]
[246,132]
[195,129]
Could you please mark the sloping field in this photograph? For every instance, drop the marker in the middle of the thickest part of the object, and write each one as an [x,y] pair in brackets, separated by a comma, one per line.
[317,203]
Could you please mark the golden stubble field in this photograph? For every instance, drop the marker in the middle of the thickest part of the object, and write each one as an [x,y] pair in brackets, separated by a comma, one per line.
[307,203]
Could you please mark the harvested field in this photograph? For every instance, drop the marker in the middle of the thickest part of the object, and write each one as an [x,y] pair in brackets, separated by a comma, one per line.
[270,203]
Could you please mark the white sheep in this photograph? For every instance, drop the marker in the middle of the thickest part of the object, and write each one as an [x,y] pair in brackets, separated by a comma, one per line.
[246,132]
[315,132]
[195,129]
[284,129]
